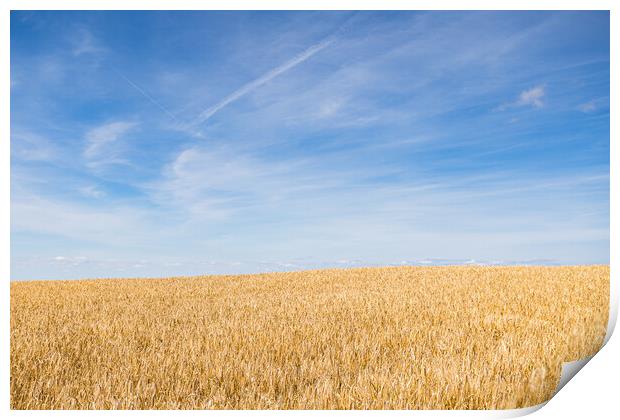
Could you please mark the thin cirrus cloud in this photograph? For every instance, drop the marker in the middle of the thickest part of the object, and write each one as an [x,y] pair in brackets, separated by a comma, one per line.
[589,106]
[594,105]
[379,144]
[92,191]
[85,43]
[102,148]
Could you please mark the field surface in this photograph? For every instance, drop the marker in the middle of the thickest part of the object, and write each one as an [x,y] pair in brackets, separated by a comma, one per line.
[398,338]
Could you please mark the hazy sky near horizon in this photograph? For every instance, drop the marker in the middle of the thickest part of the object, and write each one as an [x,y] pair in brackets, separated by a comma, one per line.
[164,143]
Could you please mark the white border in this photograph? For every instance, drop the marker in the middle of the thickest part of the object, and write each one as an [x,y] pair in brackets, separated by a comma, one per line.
[591,393]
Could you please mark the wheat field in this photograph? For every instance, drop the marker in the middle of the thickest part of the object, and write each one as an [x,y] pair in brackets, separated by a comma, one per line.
[468,337]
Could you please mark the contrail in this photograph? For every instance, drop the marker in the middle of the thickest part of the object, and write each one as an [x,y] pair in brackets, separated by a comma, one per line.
[249,87]
[146,95]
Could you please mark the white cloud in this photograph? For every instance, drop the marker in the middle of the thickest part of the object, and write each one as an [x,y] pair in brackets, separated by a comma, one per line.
[330,107]
[110,225]
[214,182]
[98,140]
[84,42]
[32,147]
[588,107]
[69,261]
[91,191]
[532,97]
[211,183]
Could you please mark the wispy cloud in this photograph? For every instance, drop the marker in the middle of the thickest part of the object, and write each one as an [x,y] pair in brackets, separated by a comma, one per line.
[32,147]
[587,107]
[84,43]
[99,138]
[330,107]
[91,191]
[91,223]
[594,105]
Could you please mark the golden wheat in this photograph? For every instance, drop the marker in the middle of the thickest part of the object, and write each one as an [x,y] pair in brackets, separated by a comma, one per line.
[398,338]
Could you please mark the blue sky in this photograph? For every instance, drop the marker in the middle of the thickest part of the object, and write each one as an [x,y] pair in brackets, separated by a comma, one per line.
[162,143]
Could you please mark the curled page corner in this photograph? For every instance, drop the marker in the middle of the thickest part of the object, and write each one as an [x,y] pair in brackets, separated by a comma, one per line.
[613,312]
[570,369]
